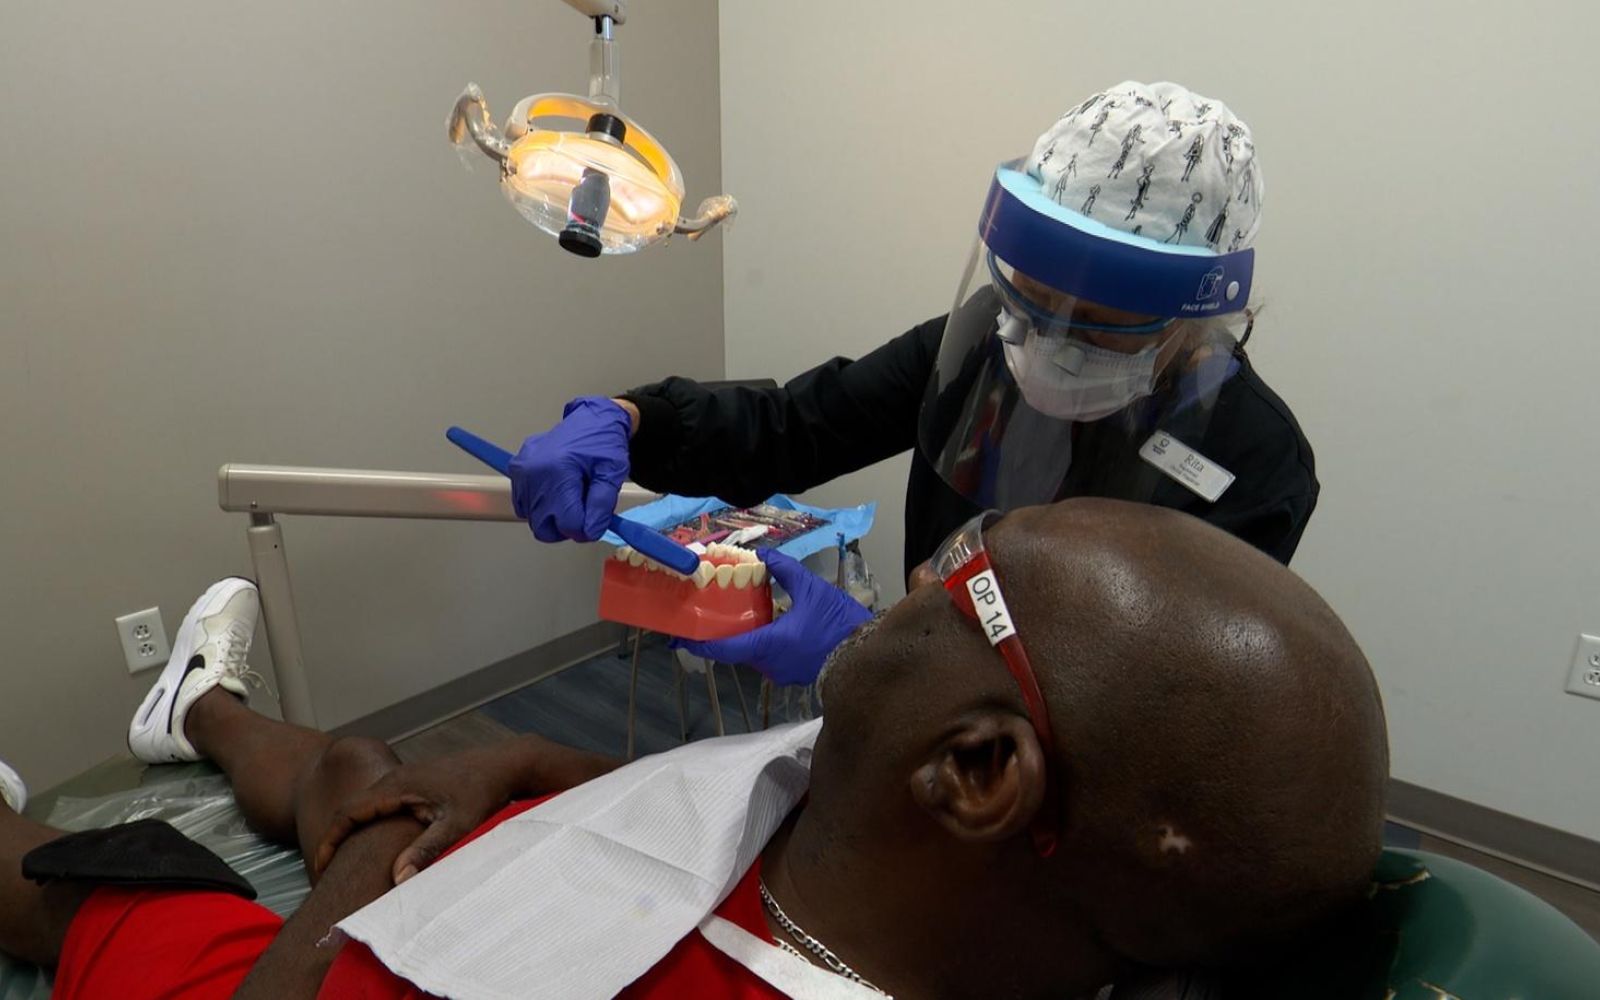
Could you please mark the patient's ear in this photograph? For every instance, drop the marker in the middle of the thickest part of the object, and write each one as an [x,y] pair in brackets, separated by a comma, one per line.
[985,781]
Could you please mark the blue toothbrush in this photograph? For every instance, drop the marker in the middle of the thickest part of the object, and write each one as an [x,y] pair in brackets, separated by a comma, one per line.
[648,541]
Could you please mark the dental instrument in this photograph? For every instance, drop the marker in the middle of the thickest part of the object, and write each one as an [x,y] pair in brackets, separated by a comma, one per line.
[646,540]
[744,536]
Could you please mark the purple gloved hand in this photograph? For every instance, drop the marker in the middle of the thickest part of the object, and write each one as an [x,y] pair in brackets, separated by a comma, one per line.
[565,482]
[792,649]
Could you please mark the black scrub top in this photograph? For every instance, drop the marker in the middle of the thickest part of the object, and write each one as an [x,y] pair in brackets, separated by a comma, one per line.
[745,444]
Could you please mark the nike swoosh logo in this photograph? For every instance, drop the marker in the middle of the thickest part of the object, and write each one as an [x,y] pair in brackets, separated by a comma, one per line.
[196,662]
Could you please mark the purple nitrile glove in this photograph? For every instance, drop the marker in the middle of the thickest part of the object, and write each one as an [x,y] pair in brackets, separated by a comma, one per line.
[565,482]
[792,649]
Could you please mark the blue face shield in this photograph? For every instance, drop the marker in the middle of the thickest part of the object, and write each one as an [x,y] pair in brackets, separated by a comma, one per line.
[1063,322]
[1053,314]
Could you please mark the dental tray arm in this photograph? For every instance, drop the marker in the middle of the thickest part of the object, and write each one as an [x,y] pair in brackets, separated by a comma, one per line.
[266,491]
[280,489]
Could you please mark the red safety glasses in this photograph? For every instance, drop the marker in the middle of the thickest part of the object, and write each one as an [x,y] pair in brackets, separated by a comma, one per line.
[963,564]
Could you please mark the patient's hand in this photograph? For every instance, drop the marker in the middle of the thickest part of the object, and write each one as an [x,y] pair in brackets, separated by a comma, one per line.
[451,795]
[454,795]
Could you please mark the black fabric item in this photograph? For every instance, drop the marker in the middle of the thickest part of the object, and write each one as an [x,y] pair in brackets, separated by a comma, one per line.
[745,444]
[144,853]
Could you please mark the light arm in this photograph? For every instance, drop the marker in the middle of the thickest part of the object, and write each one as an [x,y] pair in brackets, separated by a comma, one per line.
[614,9]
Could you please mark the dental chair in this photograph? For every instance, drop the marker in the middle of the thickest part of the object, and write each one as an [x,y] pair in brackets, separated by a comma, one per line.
[1435,928]
[197,800]
[1458,931]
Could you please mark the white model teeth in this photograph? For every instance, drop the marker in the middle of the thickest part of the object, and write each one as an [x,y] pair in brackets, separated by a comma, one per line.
[673,573]
[738,568]
[730,553]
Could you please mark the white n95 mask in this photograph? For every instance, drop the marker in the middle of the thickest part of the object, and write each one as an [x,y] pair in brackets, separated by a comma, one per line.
[1070,379]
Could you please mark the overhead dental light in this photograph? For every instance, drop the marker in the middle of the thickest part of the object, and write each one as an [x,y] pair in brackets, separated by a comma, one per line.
[580,169]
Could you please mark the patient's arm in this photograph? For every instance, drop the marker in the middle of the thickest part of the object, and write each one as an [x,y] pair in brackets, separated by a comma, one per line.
[453,795]
[293,967]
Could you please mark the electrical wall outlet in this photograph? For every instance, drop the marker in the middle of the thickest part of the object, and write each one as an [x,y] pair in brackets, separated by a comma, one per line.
[1585,677]
[144,640]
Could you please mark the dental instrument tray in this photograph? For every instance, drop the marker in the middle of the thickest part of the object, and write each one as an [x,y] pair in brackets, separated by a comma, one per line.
[764,526]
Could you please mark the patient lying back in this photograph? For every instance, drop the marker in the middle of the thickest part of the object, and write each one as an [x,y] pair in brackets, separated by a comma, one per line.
[1215,788]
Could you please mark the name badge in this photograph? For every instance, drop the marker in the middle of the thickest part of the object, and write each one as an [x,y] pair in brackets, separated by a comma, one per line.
[1202,476]
[992,612]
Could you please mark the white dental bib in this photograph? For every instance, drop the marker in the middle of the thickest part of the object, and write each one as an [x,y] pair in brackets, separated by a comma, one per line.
[583,894]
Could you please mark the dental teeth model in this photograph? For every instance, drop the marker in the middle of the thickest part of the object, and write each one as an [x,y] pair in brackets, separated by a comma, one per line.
[727,594]
[720,565]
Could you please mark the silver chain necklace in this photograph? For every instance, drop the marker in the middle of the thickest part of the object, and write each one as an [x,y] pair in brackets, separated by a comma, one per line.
[834,963]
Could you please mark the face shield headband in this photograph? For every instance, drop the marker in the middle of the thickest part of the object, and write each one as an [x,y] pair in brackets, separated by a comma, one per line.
[1077,256]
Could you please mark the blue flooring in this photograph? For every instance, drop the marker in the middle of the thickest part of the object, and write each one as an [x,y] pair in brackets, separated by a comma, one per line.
[586,705]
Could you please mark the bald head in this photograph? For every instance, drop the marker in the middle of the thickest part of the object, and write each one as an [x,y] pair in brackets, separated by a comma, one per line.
[1221,755]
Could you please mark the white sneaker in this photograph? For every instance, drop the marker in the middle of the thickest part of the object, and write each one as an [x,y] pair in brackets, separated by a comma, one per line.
[12,790]
[209,651]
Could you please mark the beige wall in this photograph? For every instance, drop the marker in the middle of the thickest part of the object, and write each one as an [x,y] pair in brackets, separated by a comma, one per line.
[1429,235]
[235,232]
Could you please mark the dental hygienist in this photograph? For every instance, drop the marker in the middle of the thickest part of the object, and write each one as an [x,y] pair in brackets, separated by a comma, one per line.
[1096,348]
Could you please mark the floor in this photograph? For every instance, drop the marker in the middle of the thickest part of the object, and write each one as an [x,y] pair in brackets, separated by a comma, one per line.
[586,706]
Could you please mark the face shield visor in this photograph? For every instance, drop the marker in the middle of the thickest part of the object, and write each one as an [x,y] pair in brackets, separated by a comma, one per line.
[1068,342]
